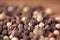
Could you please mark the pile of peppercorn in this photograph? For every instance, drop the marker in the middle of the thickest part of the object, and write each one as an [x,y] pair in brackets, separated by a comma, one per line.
[28,23]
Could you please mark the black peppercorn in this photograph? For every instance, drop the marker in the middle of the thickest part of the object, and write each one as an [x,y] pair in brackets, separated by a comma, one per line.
[5,32]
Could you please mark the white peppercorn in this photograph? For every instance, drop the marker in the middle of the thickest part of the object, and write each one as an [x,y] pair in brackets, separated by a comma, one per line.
[9,24]
[25,9]
[52,39]
[41,38]
[41,24]
[14,38]
[39,18]
[10,8]
[2,16]
[57,19]
[6,38]
[49,11]
[56,32]
[36,26]
[23,18]
[46,38]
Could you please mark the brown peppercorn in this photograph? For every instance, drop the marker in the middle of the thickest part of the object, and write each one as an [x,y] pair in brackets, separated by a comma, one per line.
[58,37]
[1,29]
[50,20]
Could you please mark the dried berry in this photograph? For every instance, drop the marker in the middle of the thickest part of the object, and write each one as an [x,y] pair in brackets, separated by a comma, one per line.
[25,9]
[4,27]
[51,35]
[9,24]
[14,38]
[1,29]
[57,26]
[49,11]
[52,39]
[39,18]
[57,19]
[56,32]
[41,38]
[46,38]
[41,24]
[5,32]
[6,38]
[2,16]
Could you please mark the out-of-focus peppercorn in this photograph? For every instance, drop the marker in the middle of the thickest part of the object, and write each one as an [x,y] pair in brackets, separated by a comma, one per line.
[6,38]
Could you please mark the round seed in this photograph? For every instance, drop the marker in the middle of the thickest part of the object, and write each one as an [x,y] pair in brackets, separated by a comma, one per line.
[51,35]
[41,24]
[46,38]
[56,32]
[9,24]
[25,9]
[48,11]
[23,18]
[57,26]
[14,38]
[52,39]
[57,19]
[10,8]
[2,16]
[6,38]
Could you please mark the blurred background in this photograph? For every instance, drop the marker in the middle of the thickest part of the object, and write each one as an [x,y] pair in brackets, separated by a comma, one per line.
[54,4]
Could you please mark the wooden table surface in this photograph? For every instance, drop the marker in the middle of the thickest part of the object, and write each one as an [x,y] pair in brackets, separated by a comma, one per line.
[54,4]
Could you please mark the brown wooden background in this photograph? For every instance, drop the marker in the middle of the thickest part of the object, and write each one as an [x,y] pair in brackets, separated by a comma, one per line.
[54,4]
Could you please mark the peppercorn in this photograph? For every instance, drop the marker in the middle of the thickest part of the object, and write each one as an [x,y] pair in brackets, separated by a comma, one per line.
[52,38]
[6,38]
[41,25]
[41,38]
[14,38]
[56,32]
[39,18]
[23,19]
[4,27]
[57,26]
[5,32]
[2,16]
[46,38]
[49,11]
[25,9]
[51,35]
[9,24]
[57,19]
